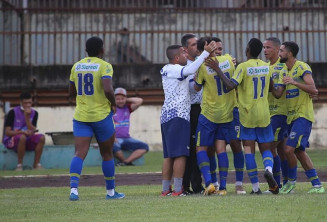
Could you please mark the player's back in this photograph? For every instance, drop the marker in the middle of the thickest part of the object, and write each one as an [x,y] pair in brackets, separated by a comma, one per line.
[217,102]
[91,102]
[253,79]
[177,95]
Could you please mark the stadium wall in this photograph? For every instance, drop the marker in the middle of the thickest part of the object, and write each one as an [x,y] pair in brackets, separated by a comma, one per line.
[145,124]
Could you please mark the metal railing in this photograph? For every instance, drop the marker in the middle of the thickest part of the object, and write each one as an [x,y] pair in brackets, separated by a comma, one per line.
[47,32]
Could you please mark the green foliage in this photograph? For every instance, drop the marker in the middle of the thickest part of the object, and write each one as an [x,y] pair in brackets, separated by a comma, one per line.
[143,203]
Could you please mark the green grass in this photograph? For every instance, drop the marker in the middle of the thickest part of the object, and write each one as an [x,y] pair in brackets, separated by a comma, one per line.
[153,162]
[142,203]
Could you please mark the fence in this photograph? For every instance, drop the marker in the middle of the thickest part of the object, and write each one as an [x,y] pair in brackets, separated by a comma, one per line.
[53,32]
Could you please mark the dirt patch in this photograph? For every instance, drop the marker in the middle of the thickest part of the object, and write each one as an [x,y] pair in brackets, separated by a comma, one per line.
[121,179]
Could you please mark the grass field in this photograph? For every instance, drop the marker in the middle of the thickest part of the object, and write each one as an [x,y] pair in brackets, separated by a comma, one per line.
[142,203]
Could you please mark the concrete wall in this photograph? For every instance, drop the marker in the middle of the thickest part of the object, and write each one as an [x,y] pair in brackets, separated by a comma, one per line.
[57,77]
[131,76]
[145,124]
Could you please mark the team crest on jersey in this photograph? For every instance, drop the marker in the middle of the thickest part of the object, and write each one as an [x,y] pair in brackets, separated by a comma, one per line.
[275,75]
[163,73]
[87,67]
[260,70]
[210,71]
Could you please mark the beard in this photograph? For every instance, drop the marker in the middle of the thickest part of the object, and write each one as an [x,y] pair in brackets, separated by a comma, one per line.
[283,60]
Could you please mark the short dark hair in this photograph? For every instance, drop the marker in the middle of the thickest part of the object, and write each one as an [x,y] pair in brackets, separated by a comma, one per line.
[171,51]
[275,40]
[25,95]
[185,38]
[202,41]
[255,47]
[216,39]
[94,46]
[292,47]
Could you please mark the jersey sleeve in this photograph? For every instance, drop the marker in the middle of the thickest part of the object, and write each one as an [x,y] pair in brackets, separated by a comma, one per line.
[107,71]
[71,77]
[280,81]
[173,71]
[200,76]
[305,69]
[238,74]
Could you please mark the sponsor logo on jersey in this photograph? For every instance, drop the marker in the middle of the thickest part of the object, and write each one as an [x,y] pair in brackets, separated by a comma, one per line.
[291,93]
[273,107]
[291,112]
[279,67]
[260,70]
[87,67]
[224,65]
[292,135]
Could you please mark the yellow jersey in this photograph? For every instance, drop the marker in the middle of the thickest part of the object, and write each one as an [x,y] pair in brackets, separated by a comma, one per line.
[217,102]
[91,102]
[277,106]
[299,103]
[253,79]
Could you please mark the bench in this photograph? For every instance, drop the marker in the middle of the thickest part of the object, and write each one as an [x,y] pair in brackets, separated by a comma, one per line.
[53,157]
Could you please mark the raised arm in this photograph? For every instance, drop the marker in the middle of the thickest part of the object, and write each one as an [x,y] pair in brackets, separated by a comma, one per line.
[135,102]
[214,64]
[194,66]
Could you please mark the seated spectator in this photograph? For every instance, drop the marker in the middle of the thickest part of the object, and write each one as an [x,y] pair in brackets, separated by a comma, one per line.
[125,106]
[20,131]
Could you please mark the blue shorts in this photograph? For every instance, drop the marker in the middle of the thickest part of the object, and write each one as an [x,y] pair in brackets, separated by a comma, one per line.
[298,133]
[130,144]
[103,129]
[259,134]
[279,127]
[176,138]
[208,132]
[236,122]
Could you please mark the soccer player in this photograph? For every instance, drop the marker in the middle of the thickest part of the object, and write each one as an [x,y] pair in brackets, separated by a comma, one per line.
[192,174]
[235,144]
[252,81]
[296,79]
[215,126]
[91,83]
[175,115]
[278,111]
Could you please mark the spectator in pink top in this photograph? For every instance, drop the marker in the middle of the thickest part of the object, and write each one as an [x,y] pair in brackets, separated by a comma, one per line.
[125,106]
